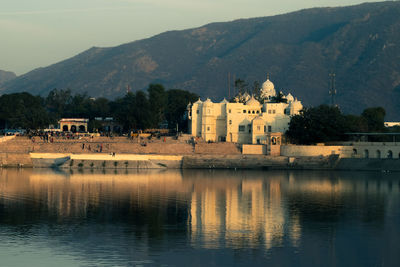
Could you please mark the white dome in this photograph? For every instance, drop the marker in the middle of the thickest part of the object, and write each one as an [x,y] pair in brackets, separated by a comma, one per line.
[246,96]
[252,102]
[198,101]
[224,101]
[268,85]
[208,101]
[267,90]
[290,98]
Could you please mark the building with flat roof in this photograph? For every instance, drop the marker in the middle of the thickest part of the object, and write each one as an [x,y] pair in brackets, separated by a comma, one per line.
[74,125]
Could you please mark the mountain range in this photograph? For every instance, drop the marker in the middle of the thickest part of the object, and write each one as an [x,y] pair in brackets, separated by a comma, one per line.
[360,44]
[6,76]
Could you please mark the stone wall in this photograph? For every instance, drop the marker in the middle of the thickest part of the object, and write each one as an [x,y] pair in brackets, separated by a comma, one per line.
[254,149]
[217,149]
[15,160]
[315,151]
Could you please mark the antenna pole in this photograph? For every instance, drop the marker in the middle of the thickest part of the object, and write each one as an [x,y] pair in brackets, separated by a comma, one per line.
[332,90]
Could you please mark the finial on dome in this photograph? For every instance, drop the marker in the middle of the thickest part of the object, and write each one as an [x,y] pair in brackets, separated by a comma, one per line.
[267,76]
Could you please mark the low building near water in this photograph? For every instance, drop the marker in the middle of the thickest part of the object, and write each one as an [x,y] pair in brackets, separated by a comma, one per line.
[247,120]
[74,125]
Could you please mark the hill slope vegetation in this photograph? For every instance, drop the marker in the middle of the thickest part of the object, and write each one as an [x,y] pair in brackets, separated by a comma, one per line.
[361,44]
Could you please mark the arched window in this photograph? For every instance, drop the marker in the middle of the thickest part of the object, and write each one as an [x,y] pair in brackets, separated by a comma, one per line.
[65,128]
[378,154]
[82,128]
[73,128]
[366,153]
[354,152]
[273,140]
[390,154]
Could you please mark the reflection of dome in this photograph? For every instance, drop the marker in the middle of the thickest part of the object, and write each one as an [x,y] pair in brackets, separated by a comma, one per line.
[267,90]
[252,102]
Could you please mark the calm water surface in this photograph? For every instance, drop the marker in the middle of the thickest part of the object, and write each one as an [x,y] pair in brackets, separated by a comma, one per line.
[199,218]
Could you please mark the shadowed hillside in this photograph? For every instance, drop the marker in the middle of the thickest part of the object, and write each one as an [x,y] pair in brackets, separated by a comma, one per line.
[6,76]
[361,44]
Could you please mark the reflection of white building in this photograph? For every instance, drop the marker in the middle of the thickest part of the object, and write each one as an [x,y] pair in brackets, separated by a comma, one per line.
[246,123]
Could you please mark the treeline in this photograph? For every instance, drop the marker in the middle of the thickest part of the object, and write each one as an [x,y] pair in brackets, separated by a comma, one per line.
[134,111]
[326,124]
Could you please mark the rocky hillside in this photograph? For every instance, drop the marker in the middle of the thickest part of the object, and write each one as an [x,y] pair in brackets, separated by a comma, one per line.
[6,76]
[361,44]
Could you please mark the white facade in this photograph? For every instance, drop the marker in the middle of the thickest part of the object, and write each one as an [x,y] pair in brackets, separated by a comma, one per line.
[247,123]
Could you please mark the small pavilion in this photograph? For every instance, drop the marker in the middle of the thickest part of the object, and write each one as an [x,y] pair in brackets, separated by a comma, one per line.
[74,125]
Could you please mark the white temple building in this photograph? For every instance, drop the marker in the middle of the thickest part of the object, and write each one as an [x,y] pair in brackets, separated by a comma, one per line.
[245,123]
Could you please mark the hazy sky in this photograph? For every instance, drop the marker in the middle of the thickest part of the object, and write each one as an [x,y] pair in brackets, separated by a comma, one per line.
[37,33]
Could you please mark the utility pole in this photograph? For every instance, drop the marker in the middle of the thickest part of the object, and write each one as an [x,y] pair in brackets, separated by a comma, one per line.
[332,90]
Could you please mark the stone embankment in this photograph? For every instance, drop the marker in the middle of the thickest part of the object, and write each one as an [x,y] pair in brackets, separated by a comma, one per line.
[122,153]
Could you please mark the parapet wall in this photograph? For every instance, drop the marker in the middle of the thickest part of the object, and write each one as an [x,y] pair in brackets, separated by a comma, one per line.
[15,160]
[315,151]
[6,138]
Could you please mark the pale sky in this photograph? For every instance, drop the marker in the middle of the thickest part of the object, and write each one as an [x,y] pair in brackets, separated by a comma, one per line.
[37,33]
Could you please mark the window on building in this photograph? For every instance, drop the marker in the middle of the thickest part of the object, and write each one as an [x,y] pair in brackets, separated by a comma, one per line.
[244,111]
[208,128]
[269,128]
[249,111]
[265,129]
[258,111]
[230,122]
[249,127]
[273,111]
[269,111]
[230,111]
[258,128]
[241,128]
[253,112]
[197,111]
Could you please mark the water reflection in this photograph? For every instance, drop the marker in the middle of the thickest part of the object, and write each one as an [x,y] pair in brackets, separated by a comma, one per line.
[162,217]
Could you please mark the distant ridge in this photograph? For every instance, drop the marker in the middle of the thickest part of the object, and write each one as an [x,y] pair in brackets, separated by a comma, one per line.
[6,76]
[361,44]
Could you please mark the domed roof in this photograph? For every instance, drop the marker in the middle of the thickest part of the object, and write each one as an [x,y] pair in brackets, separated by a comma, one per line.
[198,101]
[224,101]
[208,101]
[252,102]
[290,98]
[268,85]
[267,90]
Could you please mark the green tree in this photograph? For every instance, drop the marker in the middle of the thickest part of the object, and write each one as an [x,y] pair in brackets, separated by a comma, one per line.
[375,118]
[279,98]
[142,111]
[22,110]
[177,101]
[241,86]
[158,102]
[318,124]
[123,111]
[57,102]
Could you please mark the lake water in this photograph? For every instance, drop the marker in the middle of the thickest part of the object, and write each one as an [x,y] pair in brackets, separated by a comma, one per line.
[199,218]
